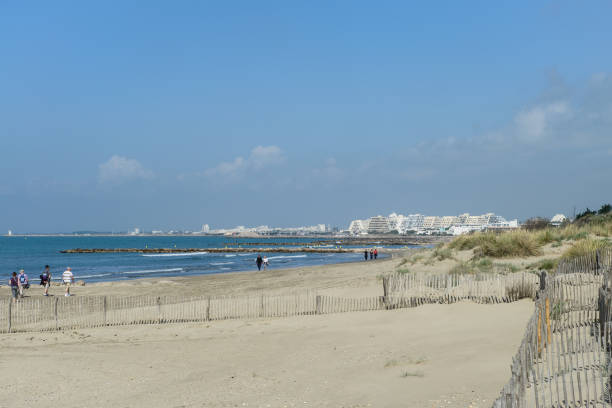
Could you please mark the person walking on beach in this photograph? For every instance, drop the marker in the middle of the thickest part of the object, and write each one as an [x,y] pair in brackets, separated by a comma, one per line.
[365,254]
[375,253]
[68,279]
[14,284]
[23,282]
[265,262]
[45,280]
[259,261]
[371,254]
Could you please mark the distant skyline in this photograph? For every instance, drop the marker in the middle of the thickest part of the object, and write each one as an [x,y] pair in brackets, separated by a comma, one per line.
[166,116]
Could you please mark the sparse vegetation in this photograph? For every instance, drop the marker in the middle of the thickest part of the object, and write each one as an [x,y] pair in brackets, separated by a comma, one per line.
[417,373]
[420,360]
[462,268]
[509,244]
[506,267]
[585,247]
[441,253]
[544,264]
[529,242]
[415,258]
[402,262]
[391,363]
[484,265]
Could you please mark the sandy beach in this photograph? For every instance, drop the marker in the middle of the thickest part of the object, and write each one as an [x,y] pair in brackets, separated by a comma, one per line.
[357,279]
[432,356]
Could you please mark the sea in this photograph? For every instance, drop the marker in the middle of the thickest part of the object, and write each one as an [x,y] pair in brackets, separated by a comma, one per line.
[32,253]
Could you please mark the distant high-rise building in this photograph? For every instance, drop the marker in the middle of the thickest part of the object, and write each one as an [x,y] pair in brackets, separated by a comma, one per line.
[378,225]
[205,228]
[359,227]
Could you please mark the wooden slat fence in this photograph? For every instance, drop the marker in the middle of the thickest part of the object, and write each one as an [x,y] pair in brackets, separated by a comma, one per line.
[446,288]
[564,357]
[58,313]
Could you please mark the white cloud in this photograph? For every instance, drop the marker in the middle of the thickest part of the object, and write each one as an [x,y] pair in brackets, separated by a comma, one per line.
[533,124]
[119,169]
[330,173]
[260,157]
[264,156]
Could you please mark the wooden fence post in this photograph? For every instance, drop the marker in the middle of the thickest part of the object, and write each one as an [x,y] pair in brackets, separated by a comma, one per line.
[539,312]
[261,306]
[105,311]
[386,291]
[548,332]
[318,309]
[208,310]
[10,307]
[159,315]
[55,313]
[543,280]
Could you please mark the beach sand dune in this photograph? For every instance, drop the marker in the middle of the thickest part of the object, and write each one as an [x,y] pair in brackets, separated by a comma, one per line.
[432,356]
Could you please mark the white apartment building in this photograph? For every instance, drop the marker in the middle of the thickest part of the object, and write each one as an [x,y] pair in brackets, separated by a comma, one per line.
[378,225]
[412,222]
[429,222]
[395,221]
[420,223]
[557,220]
[358,227]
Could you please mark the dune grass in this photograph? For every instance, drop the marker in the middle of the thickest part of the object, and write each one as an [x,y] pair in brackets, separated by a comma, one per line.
[545,264]
[585,247]
[584,232]
[505,245]
[441,252]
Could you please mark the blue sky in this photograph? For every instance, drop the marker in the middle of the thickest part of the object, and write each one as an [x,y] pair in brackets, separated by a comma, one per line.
[174,114]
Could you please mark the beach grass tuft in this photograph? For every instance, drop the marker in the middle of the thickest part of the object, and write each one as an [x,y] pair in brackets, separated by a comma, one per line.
[441,253]
[417,373]
[544,264]
[585,247]
[505,245]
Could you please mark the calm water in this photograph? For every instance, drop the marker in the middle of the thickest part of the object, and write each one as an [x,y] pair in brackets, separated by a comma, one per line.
[33,253]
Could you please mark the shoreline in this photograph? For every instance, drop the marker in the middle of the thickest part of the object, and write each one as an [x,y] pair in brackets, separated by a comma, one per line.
[353,278]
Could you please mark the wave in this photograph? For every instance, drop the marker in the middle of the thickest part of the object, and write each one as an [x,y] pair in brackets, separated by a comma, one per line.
[287,256]
[89,276]
[230,255]
[179,254]
[221,263]
[144,272]
[244,254]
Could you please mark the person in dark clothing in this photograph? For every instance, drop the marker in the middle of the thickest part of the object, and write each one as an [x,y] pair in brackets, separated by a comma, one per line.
[371,254]
[259,261]
[14,284]
[45,280]
[365,254]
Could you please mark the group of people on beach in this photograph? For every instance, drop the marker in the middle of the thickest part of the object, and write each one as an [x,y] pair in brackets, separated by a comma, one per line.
[262,262]
[20,282]
[373,252]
